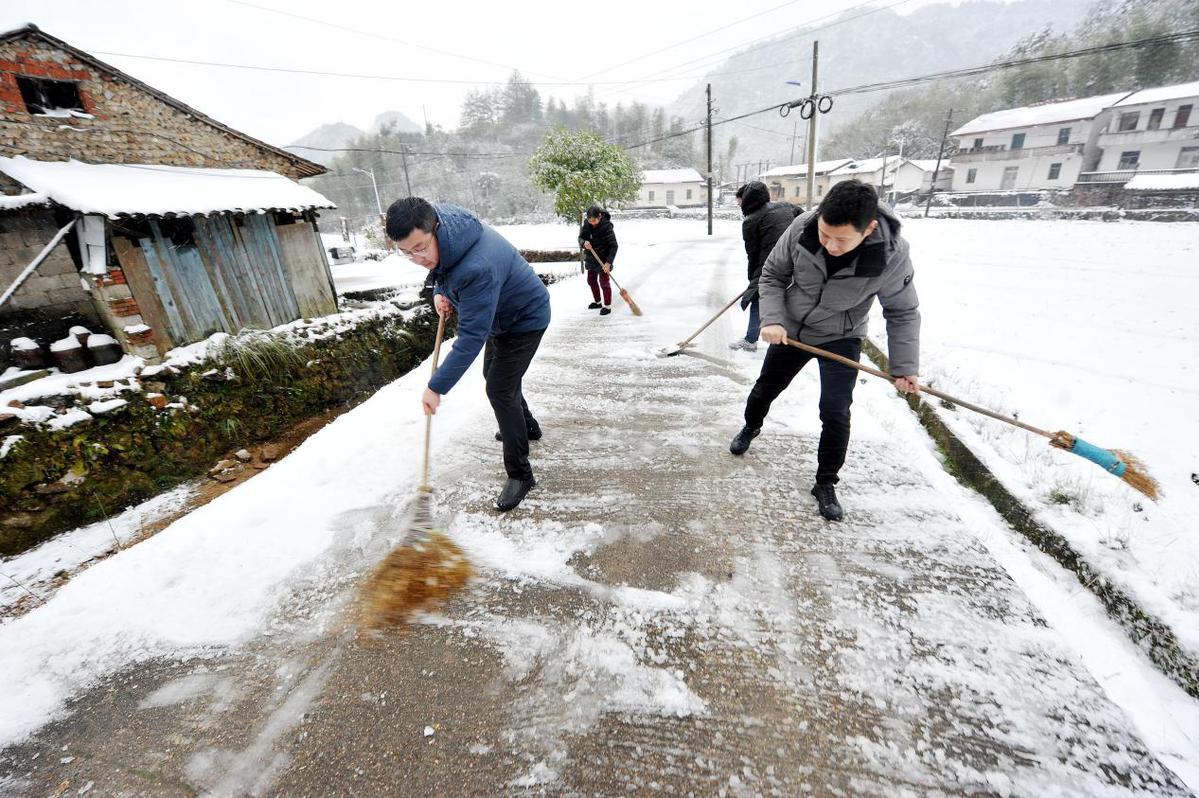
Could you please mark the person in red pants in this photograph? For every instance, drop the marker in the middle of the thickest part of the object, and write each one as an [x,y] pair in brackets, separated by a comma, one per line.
[598,237]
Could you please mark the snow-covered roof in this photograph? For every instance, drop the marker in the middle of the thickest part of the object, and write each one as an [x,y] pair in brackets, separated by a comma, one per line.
[1176,182]
[822,167]
[671,176]
[1161,94]
[864,165]
[9,202]
[126,189]
[1046,114]
[928,164]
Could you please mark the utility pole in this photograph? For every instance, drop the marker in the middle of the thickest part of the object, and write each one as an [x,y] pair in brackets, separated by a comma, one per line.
[794,133]
[812,129]
[709,93]
[940,153]
[882,180]
[404,159]
[371,175]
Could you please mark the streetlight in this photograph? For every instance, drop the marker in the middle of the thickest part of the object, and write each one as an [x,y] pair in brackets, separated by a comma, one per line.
[378,203]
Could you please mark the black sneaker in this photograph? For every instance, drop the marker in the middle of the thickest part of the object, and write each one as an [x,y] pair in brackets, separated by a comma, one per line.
[534,433]
[741,443]
[605,310]
[594,306]
[826,498]
[514,493]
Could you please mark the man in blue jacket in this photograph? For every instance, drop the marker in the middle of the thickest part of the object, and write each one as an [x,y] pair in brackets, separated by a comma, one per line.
[501,303]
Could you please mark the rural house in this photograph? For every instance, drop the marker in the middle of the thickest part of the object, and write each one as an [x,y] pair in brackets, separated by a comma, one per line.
[129,212]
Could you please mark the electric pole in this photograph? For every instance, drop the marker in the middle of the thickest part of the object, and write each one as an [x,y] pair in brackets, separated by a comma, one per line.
[940,153]
[709,93]
[812,129]
[404,159]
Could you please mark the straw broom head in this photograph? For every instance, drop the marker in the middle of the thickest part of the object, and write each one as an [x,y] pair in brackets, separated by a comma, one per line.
[1115,461]
[420,574]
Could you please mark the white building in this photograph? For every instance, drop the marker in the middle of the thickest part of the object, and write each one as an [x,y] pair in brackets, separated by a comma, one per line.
[1035,147]
[791,182]
[1154,130]
[682,188]
[868,170]
[916,176]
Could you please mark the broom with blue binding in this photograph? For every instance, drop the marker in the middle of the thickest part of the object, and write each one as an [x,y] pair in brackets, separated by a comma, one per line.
[1114,461]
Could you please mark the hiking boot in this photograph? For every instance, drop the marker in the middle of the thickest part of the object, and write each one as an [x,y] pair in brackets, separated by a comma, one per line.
[744,345]
[514,493]
[826,498]
[594,306]
[605,310]
[741,443]
[534,433]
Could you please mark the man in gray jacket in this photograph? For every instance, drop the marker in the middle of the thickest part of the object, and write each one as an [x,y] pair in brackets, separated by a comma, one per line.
[817,286]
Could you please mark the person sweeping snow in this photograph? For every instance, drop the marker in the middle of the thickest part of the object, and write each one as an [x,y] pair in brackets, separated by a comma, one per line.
[817,286]
[597,236]
[764,223]
[501,303]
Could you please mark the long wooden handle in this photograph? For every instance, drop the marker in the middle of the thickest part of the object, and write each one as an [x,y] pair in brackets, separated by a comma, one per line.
[424,474]
[923,388]
[708,324]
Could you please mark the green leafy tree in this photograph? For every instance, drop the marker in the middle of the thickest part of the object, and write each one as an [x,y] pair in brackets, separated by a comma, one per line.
[581,169]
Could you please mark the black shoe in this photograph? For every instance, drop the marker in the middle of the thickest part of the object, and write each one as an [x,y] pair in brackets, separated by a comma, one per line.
[740,444]
[514,493]
[605,310]
[826,498]
[534,433]
[594,306]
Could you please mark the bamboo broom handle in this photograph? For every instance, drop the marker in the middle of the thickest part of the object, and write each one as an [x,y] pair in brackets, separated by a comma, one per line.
[424,475]
[923,388]
[723,310]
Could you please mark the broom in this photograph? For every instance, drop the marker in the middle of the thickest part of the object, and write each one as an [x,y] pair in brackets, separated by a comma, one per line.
[1114,461]
[427,567]
[678,350]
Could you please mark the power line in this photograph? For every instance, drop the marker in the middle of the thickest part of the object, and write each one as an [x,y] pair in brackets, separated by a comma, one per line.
[371,34]
[957,73]
[517,154]
[360,76]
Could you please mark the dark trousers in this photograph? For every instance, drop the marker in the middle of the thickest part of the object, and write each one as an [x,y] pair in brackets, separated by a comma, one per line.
[506,358]
[598,281]
[780,366]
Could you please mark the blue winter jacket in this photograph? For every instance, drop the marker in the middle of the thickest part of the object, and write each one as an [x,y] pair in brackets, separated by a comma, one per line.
[493,288]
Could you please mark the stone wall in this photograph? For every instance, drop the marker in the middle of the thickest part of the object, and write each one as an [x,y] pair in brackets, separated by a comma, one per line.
[129,124]
[52,299]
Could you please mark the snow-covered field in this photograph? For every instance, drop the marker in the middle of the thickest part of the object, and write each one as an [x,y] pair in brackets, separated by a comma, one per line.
[1075,325]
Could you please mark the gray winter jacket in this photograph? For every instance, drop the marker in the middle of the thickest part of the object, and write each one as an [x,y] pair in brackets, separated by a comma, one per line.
[797,292]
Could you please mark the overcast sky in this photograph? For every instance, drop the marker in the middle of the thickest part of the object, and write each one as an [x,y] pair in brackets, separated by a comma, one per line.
[464,43]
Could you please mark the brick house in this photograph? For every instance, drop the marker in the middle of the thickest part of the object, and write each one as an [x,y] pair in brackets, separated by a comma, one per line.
[180,226]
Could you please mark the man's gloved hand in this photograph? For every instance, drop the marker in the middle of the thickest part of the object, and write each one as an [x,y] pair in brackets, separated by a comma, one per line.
[748,296]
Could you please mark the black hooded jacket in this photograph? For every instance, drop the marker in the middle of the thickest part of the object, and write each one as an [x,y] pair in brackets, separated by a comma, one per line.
[764,223]
[603,241]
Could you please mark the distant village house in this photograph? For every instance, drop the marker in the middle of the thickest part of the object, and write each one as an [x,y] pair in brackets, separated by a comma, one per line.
[680,188]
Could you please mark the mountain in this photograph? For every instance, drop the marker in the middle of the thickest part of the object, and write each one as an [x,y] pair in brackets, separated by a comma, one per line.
[398,120]
[875,46]
[335,135]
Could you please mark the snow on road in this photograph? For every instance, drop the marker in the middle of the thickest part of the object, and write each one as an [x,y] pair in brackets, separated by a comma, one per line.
[658,613]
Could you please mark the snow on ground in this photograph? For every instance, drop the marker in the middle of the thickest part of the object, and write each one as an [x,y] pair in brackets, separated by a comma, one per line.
[1088,327]
[214,577]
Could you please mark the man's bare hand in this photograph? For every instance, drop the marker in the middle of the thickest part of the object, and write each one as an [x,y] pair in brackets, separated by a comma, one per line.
[607,268]
[429,401]
[442,305]
[587,245]
[773,333]
[909,384]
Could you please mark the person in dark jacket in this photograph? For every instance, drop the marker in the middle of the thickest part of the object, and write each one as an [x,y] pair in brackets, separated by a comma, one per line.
[764,222]
[501,303]
[818,285]
[598,237]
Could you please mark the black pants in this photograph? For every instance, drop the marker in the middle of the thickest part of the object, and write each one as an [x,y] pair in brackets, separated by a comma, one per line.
[780,366]
[506,358]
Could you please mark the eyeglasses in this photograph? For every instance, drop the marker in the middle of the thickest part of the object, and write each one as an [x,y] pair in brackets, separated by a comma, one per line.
[423,247]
